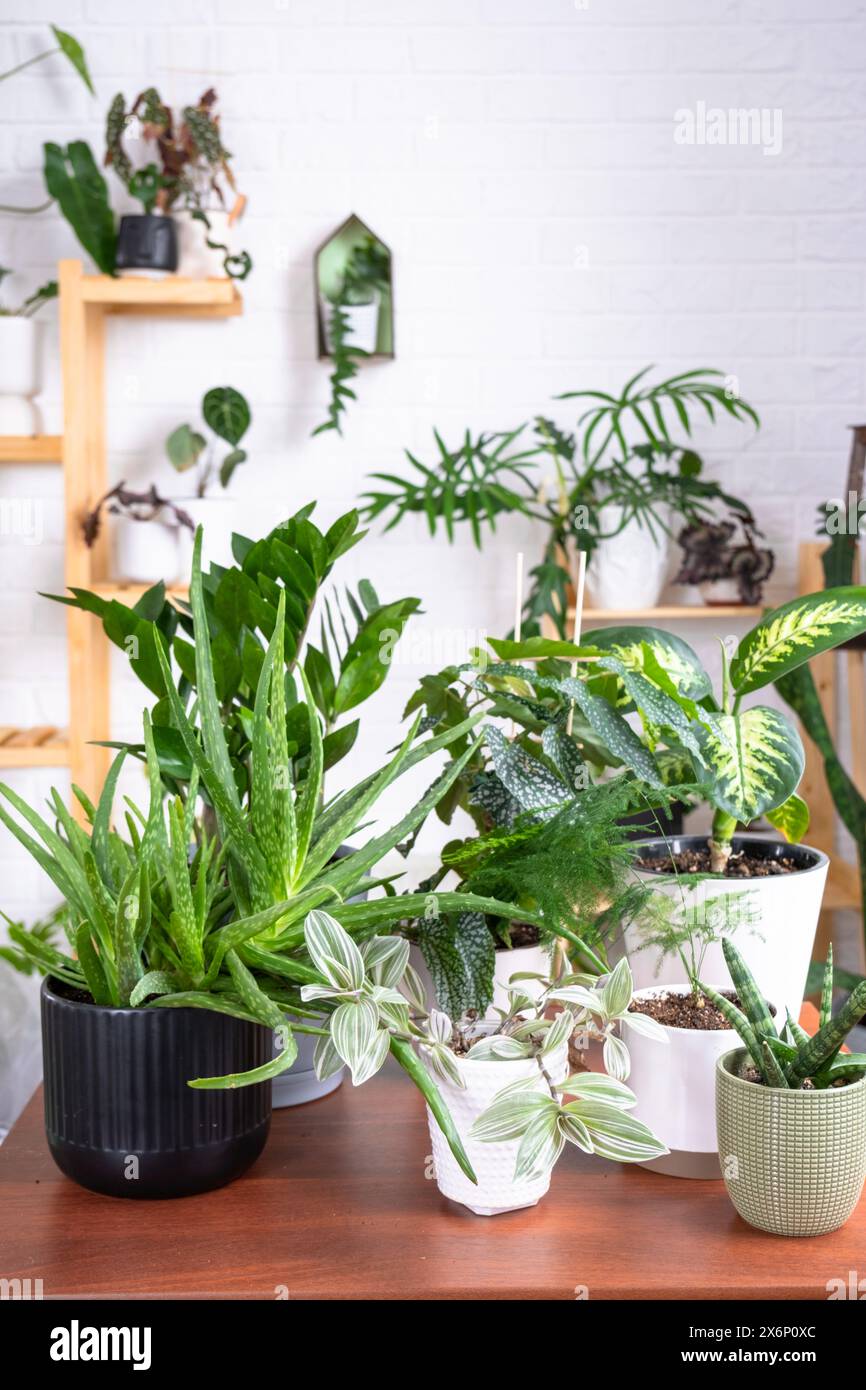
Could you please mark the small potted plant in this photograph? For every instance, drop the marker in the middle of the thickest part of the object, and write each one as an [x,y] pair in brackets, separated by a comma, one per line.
[187,180]
[685,928]
[351,321]
[20,361]
[146,534]
[227,416]
[792,1114]
[725,561]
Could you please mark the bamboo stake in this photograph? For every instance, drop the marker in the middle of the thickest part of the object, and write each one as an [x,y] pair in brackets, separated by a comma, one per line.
[578,623]
[518,613]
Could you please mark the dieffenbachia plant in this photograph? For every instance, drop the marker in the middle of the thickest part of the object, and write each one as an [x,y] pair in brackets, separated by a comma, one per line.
[745,760]
[791,1058]
[374,1003]
[240,601]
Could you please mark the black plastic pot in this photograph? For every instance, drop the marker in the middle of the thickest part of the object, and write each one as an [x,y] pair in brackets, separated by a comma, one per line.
[119,1116]
[644,824]
[146,241]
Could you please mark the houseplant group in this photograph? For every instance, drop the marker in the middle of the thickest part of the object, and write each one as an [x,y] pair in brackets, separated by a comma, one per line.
[619,486]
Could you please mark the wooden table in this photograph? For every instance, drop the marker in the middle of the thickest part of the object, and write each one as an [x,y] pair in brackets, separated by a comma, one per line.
[338,1206]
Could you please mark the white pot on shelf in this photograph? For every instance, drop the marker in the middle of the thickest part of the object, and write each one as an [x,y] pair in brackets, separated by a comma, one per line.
[496,1191]
[196,260]
[628,570]
[20,375]
[362,323]
[675,1089]
[776,942]
[147,551]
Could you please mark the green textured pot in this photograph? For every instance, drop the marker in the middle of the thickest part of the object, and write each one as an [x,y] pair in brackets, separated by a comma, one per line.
[793,1161]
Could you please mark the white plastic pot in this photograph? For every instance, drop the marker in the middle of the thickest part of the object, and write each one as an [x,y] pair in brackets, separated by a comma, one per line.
[197,260]
[147,551]
[20,375]
[776,943]
[362,324]
[726,591]
[676,1090]
[628,570]
[493,1164]
[300,1084]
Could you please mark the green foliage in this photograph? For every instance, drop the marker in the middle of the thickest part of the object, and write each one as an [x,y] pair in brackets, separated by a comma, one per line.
[367,273]
[787,1060]
[228,415]
[71,49]
[685,923]
[75,182]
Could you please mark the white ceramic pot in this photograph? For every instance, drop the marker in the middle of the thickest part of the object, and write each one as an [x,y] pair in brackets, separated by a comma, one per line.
[507,963]
[147,551]
[493,1164]
[676,1092]
[776,941]
[218,517]
[300,1084]
[716,591]
[628,570]
[362,326]
[196,260]
[20,375]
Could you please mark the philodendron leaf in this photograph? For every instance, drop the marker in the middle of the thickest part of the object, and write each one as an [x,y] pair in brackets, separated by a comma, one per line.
[226,412]
[70,46]
[794,633]
[792,818]
[184,447]
[754,760]
[230,463]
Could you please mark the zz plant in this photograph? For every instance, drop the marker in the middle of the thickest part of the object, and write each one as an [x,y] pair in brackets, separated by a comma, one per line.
[791,1060]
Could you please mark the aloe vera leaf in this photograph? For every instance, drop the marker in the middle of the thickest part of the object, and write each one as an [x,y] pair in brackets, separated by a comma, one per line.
[419,1074]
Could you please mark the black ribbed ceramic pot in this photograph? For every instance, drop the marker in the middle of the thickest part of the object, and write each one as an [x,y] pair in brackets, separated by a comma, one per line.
[119,1116]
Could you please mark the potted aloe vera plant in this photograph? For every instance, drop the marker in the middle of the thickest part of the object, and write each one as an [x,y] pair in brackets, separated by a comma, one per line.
[743,760]
[791,1112]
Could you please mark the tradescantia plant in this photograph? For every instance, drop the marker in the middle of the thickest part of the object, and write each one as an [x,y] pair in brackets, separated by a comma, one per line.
[792,1060]
[374,1003]
[746,761]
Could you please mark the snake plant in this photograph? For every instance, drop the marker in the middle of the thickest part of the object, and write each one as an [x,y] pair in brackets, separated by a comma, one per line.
[745,761]
[787,1060]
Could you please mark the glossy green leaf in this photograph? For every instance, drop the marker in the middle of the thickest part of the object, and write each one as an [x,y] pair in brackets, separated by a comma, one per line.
[753,760]
[791,635]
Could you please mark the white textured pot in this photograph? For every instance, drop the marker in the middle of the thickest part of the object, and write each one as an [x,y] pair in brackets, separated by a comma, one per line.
[507,963]
[676,1090]
[218,517]
[362,324]
[493,1164]
[147,551]
[776,943]
[20,375]
[196,260]
[300,1084]
[628,570]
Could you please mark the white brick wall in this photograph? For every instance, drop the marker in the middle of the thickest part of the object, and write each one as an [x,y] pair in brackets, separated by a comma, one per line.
[487,141]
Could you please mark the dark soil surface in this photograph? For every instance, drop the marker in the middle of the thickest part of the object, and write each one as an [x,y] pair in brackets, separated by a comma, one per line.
[64,991]
[740,865]
[522,934]
[685,1011]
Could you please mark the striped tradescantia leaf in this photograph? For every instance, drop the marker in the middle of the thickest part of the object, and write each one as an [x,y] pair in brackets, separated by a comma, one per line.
[541,1145]
[354,1030]
[754,760]
[386,958]
[509,1115]
[794,633]
[615,1056]
[500,1049]
[333,952]
[559,1032]
[614,1133]
[594,1085]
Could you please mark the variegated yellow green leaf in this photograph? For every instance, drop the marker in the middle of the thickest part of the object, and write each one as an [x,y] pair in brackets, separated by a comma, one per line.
[792,818]
[754,760]
[796,632]
[636,646]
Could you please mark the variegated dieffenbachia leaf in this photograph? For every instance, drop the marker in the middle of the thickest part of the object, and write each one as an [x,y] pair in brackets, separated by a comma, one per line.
[792,818]
[794,633]
[754,760]
[533,785]
[633,646]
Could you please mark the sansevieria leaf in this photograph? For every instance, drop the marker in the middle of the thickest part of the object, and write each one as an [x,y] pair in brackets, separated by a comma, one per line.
[754,760]
[796,632]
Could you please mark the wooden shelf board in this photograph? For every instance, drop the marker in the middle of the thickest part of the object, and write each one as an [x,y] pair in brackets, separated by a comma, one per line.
[131,593]
[31,448]
[42,746]
[172,295]
[682,612]
[843,885]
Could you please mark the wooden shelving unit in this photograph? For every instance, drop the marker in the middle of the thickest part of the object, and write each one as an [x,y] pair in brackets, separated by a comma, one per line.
[684,613]
[85,302]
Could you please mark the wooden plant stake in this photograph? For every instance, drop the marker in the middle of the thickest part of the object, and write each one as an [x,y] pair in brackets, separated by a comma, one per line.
[578,623]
